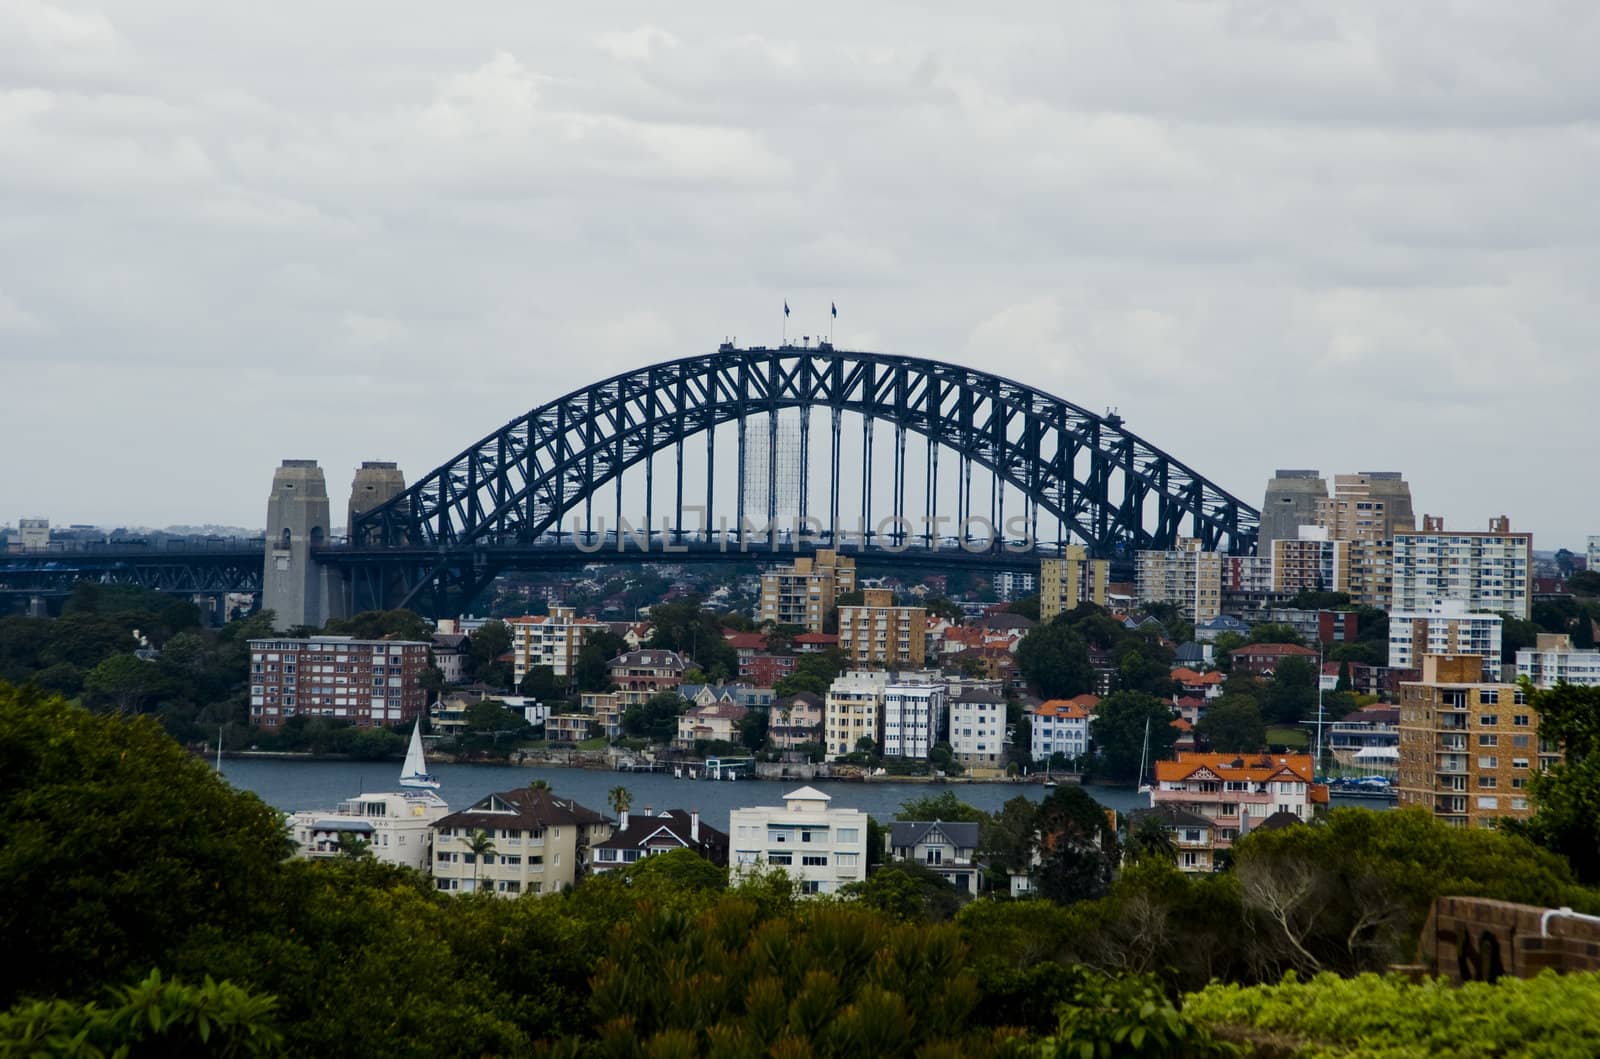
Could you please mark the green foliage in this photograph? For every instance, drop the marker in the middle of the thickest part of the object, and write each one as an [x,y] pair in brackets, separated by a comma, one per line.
[1150,838]
[682,626]
[907,891]
[1078,848]
[1104,1018]
[151,1017]
[679,872]
[117,843]
[1027,606]
[1232,724]
[1309,599]
[942,806]
[383,625]
[484,647]
[1119,731]
[656,719]
[591,669]
[123,682]
[813,672]
[1566,796]
[1394,1018]
[1292,695]
[1275,632]
[1055,660]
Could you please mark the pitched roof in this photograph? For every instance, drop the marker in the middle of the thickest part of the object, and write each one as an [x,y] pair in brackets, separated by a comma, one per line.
[807,794]
[827,638]
[731,710]
[522,808]
[1171,816]
[1189,676]
[1005,620]
[903,833]
[1066,708]
[1255,768]
[747,640]
[971,693]
[799,698]
[665,828]
[1278,821]
[1272,650]
[652,656]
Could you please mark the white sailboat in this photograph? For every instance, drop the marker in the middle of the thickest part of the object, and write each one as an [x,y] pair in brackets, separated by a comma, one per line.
[1144,763]
[414,773]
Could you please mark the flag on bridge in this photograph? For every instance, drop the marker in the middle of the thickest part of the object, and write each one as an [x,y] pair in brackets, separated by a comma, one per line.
[786,308]
[835,307]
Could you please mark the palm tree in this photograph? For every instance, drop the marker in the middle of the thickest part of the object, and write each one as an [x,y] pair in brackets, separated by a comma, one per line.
[538,785]
[621,799]
[1151,838]
[481,843]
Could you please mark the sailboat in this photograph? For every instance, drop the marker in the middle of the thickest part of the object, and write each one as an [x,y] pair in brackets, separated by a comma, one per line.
[1144,761]
[219,749]
[414,773]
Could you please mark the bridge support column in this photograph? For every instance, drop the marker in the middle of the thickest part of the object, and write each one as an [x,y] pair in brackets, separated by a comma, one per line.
[294,586]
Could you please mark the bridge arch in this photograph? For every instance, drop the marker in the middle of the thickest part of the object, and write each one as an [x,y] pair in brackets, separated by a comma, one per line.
[1104,486]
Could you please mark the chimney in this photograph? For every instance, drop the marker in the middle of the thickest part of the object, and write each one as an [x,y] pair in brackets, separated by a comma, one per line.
[622,820]
[694,825]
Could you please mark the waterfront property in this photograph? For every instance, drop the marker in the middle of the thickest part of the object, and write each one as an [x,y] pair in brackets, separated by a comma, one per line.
[941,846]
[647,834]
[516,842]
[823,848]
[1236,792]
[395,828]
[366,682]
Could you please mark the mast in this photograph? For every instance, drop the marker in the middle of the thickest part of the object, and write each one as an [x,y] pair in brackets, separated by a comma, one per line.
[1316,755]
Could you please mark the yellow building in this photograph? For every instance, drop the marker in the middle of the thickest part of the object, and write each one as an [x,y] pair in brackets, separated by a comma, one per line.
[879,635]
[803,594]
[1371,573]
[1188,575]
[1311,561]
[1369,506]
[1070,580]
[1467,748]
[553,640]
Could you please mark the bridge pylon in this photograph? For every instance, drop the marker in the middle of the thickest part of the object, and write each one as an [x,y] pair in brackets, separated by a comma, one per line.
[294,586]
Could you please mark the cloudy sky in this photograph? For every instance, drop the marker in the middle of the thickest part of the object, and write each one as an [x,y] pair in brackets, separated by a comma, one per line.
[1272,233]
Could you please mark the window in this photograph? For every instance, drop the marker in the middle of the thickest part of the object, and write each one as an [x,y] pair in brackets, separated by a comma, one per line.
[1519,762]
[1488,782]
[810,886]
[1488,803]
[780,858]
[814,861]
[1489,720]
[1489,697]
[1488,740]
[1488,762]
[845,860]
[1520,720]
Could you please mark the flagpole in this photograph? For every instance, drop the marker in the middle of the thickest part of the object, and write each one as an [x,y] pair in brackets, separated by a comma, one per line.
[785,322]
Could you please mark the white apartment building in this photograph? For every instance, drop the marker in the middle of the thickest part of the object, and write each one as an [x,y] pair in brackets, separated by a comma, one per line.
[821,847]
[1594,553]
[1189,576]
[851,711]
[552,640]
[1446,627]
[1490,571]
[1060,726]
[1553,660]
[912,717]
[978,728]
[396,828]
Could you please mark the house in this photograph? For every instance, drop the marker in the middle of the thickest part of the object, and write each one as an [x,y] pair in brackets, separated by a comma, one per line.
[607,709]
[945,847]
[448,715]
[1207,631]
[647,834]
[396,828]
[1060,726]
[765,670]
[1198,685]
[450,653]
[1193,654]
[1191,834]
[1262,659]
[1234,791]
[714,722]
[796,719]
[540,843]
[823,848]
[639,676]
[568,727]
[814,642]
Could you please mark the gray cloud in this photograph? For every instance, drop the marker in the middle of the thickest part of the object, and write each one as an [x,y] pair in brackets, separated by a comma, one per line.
[1269,233]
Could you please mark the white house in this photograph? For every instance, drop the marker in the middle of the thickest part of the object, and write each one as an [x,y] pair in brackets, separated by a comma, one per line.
[824,848]
[396,828]
[942,846]
[1060,726]
[978,728]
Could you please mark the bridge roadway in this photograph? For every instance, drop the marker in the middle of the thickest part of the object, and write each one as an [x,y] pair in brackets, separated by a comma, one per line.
[233,565]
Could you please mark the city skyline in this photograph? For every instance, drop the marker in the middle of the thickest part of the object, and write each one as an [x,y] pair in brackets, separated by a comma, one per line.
[239,244]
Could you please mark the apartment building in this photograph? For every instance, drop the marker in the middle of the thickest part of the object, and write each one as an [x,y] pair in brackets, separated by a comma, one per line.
[1238,792]
[1467,747]
[1193,835]
[539,843]
[1488,571]
[638,676]
[803,593]
[1371,573]
[713,722]
[1188,575]
[852,710]
[553,640]
[1013,584]
[912,717]
[1059,726]
[396,828]
[1446,627]
[1553,660]
[879,634]
[1072,579]
[370,683]
[978,727]
[1367,506]
[1592,554]
[823,848]
[1310,561]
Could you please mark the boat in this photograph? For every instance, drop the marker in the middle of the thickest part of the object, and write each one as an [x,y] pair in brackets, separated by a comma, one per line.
[1144,763]
[414,773]
[396,827]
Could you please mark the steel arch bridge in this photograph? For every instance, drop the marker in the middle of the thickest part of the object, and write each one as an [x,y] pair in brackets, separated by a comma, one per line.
[503,499]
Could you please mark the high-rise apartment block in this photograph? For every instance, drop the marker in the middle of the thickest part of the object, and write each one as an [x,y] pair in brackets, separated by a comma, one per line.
[1488,571]
[1553,660]
[1467,747]
[370,683]
[1371,573]
[1072,579]
[1291,502]
[1446,627]
[913,715]
[553,640]
[1310,561]
[803,593]
[878,634]
[1368,506]
[1189,576]
[902,718]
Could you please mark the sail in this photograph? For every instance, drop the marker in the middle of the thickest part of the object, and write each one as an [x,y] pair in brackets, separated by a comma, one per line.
[414,773]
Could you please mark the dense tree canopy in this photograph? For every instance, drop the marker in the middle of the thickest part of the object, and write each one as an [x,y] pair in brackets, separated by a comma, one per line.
[1119,730]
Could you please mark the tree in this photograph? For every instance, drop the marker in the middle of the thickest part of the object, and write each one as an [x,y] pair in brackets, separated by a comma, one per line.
[1273,632]
[118,845]
[354,846]
[481,845]
[1119,732]
[1151,838]
[943,806]
[124,681]
[591,671]
[1027,606]
[1055,660]
[1223,647]
[1008,840]
[906,890]
[1292,695]
[1584,583]
[1078,848]
[655,719]
[383,624]
[620,799]
[1232,724]
[484,648]
[1566,795]
[753,729]
[539,682]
